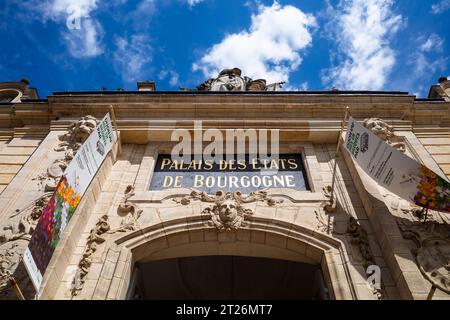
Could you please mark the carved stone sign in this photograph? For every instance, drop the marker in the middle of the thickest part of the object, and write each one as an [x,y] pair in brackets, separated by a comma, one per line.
[246,175]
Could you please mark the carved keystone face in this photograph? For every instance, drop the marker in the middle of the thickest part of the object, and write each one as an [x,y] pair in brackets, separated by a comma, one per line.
[227,210]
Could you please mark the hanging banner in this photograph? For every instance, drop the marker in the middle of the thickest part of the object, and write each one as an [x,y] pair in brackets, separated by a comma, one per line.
[395,171]
[64,201]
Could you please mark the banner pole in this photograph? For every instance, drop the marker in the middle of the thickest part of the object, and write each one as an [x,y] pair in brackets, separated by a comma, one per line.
[14,284]
[119,141]
[337,154]
[431,293]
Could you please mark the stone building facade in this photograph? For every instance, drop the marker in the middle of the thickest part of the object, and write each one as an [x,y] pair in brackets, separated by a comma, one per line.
[121,223]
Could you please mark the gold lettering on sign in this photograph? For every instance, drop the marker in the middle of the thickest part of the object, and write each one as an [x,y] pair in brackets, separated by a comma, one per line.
[198,181]
[167,181]
[164,163]
[241,164]
[174,165]
[255,164]
[222,165]
[177,182]
[293,164]
[208,165]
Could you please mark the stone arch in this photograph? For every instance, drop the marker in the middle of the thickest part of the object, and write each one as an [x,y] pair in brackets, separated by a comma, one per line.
[262,237]
[13,95]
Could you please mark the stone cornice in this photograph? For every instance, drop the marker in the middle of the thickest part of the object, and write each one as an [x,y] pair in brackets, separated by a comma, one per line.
[289,112]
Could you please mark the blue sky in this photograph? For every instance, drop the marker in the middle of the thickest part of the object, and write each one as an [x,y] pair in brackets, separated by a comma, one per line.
[312,45]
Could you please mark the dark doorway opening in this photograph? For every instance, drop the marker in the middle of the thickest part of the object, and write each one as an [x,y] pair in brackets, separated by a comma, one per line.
[227,278]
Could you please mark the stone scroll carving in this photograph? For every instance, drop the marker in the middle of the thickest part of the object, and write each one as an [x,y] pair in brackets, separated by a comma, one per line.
[69,143]
[385,132]
[325,221]
[227,212]
[330,204]
[130,213]
[14,237]
[231,80]
[431,251]
[96,237]
[360,238]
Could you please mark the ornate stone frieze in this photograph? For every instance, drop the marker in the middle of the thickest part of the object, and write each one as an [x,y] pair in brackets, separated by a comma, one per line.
[69,143]
[131,213]
[359,237]
[231,80]
[325,221]
[22,223]
[330,204]
[431,251]
[228,212]
[14,237]
[16,233]
[385,132]
[95,238]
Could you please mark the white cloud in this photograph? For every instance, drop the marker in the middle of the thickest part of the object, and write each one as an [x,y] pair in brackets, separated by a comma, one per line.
[84,42]
[362,31]
[57,9]
[426,61]
[193,2]
[82,33]
[440,6]
[432,43]
[270,49]
[173,76]
[132,57]
[304,86]
[142,16]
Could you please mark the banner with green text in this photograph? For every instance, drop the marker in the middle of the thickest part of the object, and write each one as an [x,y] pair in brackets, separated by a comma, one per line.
[395,171]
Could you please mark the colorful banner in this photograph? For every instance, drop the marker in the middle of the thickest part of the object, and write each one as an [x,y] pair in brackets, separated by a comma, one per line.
[64,201]
[395,171]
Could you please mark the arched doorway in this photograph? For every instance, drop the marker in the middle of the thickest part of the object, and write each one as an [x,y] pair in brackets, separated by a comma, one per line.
[262,238]
[227,278]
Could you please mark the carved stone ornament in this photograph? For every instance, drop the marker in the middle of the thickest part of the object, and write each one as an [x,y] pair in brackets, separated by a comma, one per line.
[432,250]
[227,213]
[131,213]
[70,142]
[330,204]
[16,234]
[231,80]
[360,238]
[14,238]
[95,238]
[385,132]
[325,222]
